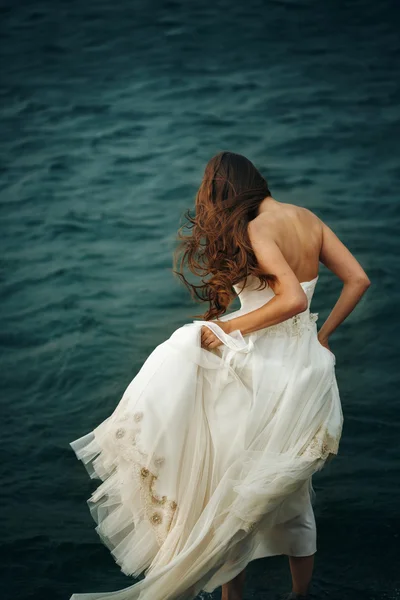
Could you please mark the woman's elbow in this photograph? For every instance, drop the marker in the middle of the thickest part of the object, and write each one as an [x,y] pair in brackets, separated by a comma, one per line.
[298,304]
[365,282]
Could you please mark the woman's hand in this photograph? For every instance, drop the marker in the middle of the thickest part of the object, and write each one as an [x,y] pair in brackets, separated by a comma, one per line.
[208,339]
[324,342]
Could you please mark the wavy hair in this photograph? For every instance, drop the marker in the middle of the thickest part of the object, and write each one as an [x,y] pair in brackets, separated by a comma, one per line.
[217,247]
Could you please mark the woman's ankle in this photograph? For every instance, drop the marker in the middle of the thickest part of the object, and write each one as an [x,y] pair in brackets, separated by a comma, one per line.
[231,595]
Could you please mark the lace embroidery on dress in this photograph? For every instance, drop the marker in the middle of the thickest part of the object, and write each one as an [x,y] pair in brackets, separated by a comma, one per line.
[159,510]
[322,445]
[294,326]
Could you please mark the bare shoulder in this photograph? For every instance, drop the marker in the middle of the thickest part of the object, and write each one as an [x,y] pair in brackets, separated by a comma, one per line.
[312,222]
[306,211]
[270,221]
[308,215]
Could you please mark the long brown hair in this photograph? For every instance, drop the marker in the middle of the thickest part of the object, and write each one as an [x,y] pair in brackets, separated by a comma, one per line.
[218,247]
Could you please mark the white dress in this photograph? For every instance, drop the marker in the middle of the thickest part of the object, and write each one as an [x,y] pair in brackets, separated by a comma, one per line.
[206,462]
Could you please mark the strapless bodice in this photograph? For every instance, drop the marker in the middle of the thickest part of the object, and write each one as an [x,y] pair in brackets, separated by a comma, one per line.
[252,298]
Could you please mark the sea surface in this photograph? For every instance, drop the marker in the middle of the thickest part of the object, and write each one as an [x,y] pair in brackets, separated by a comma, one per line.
[109,113]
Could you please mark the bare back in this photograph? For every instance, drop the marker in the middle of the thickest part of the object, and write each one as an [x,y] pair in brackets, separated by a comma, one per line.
[298,234]
[305,240]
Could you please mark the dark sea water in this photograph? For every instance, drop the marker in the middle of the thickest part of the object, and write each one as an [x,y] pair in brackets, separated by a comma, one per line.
[109,112]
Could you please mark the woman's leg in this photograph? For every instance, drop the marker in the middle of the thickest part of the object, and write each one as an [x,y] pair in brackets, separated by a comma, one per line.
[301,568]
[233,590]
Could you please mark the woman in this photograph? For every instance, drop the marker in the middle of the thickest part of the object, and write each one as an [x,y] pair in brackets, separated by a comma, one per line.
[207,460]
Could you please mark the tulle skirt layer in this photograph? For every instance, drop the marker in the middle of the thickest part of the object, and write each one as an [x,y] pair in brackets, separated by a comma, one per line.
[207,460]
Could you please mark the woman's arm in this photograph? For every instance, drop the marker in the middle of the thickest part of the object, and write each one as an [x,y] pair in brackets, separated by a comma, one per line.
[338,259]
[276,310]
[289,298]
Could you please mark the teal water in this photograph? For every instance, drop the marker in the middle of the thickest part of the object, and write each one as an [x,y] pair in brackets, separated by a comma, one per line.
[109,112]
